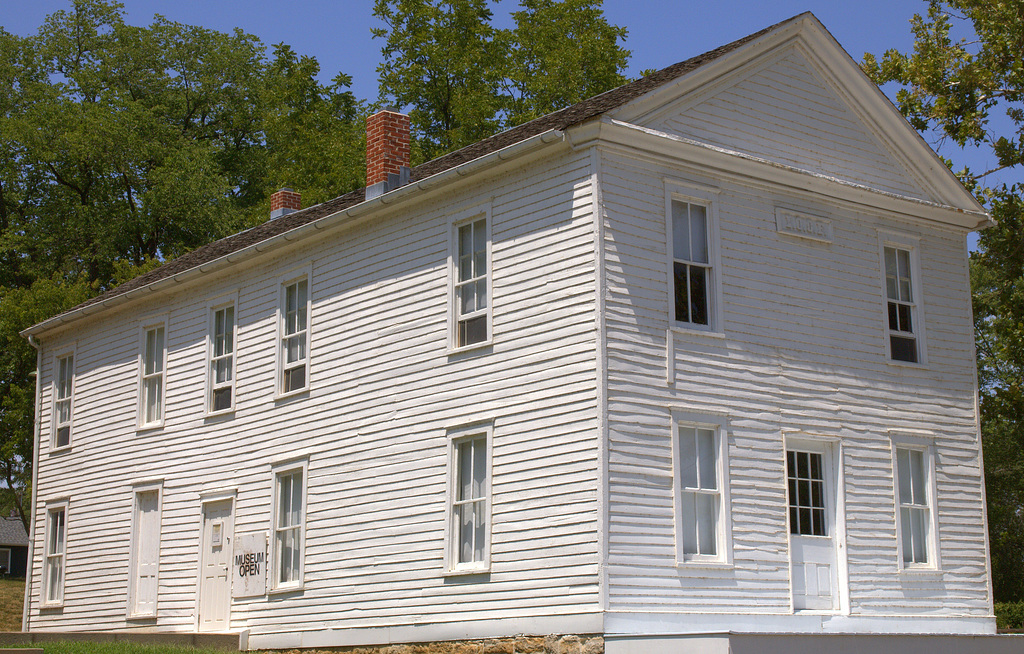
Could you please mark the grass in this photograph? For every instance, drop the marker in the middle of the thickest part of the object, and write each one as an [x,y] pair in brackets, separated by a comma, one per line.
[12,598]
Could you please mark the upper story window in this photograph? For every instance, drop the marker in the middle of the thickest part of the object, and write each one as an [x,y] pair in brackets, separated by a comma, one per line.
[293,352]
[470,478]
[691,264]
[63,392]
[693,271]
[222,359]
[901,307]
[471,282]
[152,364]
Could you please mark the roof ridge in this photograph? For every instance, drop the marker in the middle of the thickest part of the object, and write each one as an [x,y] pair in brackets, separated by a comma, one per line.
[558,120]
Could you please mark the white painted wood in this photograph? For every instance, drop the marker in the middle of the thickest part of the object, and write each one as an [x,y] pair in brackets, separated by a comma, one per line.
[215,564]
[144,586]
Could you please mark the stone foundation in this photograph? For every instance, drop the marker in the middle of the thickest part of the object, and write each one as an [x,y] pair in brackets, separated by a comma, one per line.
[570,644]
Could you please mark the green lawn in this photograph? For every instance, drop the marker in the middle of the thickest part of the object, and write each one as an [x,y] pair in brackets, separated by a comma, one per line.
[12,598]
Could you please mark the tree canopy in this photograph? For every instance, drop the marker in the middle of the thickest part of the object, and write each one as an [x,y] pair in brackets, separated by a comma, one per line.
[122,146]
[463,79]
[964,82]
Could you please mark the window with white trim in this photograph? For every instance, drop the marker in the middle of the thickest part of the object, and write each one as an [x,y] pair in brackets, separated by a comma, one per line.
[63,393]
[293,354]
[691,263]
[469,526]
[471,282]
[153,362]
[222,359]
[289,526]
[54,566]
[914,507]
[901,309]
[701,489]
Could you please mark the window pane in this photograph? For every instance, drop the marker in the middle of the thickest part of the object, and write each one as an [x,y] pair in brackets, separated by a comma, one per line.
[294,378]
[698,295]
[707,526]
[472,331]
[481,293]
[680,231]
[284,500]
[917,477]
[63,436]
[894,317]
[465,479]
[466,241]
[903,473]
[707,459]
[906,536]
[222,399]
[158,361]
[681,291]
[688,457]
[890,266]
[479,468]
[698,234]
[480,238]
[152,388]
[467,294]
[465,267]
[903,311]
[689,522]
[903,348]
[919,529]
[478,531]
[295,512]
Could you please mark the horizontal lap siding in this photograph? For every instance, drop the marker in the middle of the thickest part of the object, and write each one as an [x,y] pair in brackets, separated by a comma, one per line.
[804,351]
[788,113]
[383,393]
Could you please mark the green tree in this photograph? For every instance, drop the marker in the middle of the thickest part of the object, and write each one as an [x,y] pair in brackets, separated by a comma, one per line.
[123,146]
[970,90]
[464,80]
[558,54]
[440,60]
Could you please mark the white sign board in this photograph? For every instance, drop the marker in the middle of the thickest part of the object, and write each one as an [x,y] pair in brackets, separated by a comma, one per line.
[249,562]
[803,225]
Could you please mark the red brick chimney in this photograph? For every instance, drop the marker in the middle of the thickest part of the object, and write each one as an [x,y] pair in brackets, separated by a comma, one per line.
[284,202]
[387,145]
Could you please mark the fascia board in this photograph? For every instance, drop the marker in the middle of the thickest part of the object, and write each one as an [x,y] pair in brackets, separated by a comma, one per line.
[747,167]
[344,217]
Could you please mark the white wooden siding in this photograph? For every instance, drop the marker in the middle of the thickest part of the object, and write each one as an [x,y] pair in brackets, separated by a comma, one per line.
[803,351]
[789,114]
[383,391]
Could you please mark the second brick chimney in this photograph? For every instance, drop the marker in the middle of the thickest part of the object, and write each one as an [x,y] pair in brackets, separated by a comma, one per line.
[284,202]
[387,151]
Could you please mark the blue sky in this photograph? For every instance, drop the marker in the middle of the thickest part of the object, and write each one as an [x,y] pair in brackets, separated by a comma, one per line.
[660,32]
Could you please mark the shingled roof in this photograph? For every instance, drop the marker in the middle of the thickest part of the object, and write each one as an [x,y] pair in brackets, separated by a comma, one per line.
[559,120]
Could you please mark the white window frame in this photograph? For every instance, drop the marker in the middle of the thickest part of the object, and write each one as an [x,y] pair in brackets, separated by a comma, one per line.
[924,445]
[461,219]
[678,191]
[51,557]
[457,436]
[290,279]
[212,386]
[279,471]
[146,327]
[57,398]
[911,244]
[716,422]
[133,554]
[5,559]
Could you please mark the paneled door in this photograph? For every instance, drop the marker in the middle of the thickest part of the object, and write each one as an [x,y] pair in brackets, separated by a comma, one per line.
[146,553]
[812,529]
[215,566]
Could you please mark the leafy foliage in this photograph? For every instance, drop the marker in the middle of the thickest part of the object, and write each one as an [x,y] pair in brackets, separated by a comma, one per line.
[971,91]
[122,146]
[464,79]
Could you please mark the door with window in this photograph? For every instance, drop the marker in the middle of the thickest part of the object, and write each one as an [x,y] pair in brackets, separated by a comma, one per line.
[215,566]
[812,526]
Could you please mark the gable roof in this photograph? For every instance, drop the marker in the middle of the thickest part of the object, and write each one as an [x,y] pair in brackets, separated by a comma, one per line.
[12,532]
[562,119]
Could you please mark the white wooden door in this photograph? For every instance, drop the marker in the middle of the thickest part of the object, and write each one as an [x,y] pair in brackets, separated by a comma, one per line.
[146,553]
[215,566]
[812,529]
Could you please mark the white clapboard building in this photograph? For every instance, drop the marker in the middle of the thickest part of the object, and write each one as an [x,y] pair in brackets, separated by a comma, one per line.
[691,357]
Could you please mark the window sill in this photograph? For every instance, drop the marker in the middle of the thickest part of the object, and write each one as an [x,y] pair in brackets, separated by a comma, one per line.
[292,395]
[60,450]
[923,573]
[684,330]
[224,413]
[915,365]
[284,590]
[683,566]
[149,427]
[47,606]
[469,348]
[467,571]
